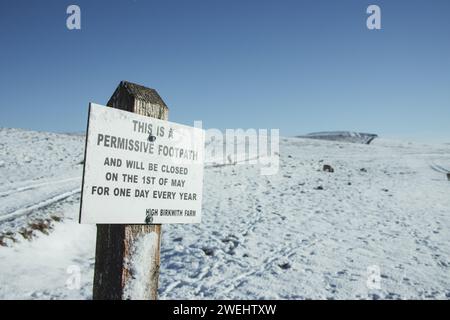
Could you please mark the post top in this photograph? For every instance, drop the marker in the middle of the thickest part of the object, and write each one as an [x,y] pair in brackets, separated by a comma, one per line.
[138,92]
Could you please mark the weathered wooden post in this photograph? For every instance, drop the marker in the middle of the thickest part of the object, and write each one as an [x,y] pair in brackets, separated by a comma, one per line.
[118,244]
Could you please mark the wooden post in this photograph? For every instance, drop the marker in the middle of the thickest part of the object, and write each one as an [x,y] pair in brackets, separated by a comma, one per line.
[118,246]
[448,176]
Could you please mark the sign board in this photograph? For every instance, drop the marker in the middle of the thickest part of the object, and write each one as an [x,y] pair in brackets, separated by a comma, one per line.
[140,170]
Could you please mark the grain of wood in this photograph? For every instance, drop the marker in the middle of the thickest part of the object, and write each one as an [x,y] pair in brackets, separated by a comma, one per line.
[115,243]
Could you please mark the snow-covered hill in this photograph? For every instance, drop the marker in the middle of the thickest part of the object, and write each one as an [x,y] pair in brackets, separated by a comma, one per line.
[302,233]
[342,136]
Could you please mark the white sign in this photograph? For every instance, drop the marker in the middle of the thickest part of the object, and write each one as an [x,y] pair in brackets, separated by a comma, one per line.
[140,170]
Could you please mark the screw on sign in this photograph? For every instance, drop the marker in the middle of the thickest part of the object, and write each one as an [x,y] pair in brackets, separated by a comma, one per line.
[134,181]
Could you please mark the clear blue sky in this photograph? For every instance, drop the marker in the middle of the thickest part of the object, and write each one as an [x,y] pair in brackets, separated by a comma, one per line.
[300,66]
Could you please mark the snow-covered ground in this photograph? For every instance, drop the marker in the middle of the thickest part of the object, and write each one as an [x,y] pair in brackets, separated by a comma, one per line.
[302,233]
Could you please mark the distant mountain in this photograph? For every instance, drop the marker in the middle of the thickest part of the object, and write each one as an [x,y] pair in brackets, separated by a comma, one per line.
[75,133]
[346,136]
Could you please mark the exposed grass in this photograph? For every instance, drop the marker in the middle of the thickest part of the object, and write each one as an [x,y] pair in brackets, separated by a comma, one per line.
[42,225]
[4,239]
[56,218]
[30,231]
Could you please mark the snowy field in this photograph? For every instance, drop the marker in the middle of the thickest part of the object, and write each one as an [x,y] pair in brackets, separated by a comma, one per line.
[302,233]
